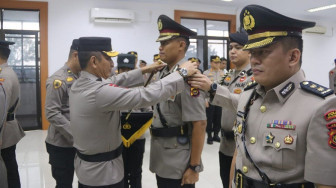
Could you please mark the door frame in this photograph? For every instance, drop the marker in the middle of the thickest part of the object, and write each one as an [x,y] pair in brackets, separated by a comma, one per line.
[43,8]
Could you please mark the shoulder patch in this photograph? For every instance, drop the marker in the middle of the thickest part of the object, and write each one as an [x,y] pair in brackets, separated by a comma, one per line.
[57,84]
[250,85]
[316,89]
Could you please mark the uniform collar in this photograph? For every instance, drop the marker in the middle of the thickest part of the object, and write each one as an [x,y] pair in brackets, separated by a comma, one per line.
[85,74]
[165,70]
[246,68]
[284,90]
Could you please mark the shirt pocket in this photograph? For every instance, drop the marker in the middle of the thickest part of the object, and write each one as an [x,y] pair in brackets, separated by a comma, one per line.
[282,149]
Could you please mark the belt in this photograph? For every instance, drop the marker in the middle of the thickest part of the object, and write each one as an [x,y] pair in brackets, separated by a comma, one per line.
[243,181]
[10,117]
[169,131]
[227,134]
[101,157]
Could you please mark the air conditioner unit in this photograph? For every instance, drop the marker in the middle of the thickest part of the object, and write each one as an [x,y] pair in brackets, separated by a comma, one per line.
[316,30]
[112,15]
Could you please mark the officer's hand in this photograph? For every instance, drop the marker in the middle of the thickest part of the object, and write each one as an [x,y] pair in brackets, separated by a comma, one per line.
[189,177]
[200,81]
[190,66]
[154,67]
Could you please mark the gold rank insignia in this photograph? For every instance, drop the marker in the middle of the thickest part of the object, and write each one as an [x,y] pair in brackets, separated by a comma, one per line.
[288,139]
[248,21]
[57,84]
[269,138]
[69,79]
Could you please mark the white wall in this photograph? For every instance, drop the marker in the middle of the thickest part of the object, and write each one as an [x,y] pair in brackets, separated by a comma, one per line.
[69,19]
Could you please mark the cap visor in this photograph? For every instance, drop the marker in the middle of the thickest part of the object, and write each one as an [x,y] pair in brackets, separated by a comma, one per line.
[163,38]
[260,42]
[111,53]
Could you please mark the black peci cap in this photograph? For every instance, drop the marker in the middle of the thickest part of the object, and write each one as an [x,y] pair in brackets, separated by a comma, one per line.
[74,45]
[169,29]
[265,26]
[240,38]
[214,58]
[100,44]
[126,61]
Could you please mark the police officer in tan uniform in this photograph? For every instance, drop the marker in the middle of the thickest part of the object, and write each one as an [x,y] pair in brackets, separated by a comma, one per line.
[235,80]
[178,128]
[332,78]
[214,113]
[223,64]
[59,141]
[285,126]
[3,115]
[12,131]
[95,106]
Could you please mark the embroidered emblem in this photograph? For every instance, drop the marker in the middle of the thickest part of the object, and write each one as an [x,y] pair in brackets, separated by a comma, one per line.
[194,92]
[159,24]
[57,84]
[332,134]
[288,139]
[330,115]
[126,126]
[69,79]
[126,60]
[237,91]
[228,78]
[242,79]
[270,138]
[248,21]
[287,89]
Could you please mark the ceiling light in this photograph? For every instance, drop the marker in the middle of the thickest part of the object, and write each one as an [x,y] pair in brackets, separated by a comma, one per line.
[227,0]
[322,8]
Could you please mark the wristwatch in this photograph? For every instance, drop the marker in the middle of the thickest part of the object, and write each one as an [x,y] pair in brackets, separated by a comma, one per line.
[213,88]
[196,168]
[183,72]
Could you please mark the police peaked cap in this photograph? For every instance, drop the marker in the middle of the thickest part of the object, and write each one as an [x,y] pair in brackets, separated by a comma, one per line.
[96,44]
[193,59]
[169,29]
[240,38]
[133,53]
[214,58]
[126,61]
[265,26]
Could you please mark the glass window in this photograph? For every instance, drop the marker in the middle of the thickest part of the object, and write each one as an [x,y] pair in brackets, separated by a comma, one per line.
[194,25]
[21,20]
[217,28]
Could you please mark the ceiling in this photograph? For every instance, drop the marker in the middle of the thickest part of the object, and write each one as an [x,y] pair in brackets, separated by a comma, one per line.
[291,8]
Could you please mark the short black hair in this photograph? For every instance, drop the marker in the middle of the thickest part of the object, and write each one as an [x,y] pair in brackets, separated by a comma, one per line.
[4,52]
[85,56]
[289,43]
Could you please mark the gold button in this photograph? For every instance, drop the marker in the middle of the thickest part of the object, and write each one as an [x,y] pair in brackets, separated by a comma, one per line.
[277,144]
[245,169]
[240,128]
[253,140]
[262,109]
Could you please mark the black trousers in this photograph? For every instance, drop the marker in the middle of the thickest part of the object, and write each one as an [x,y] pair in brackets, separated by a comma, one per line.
[62,165]
[171,183]
[224,167]
[117,185]
[214,117]
[133,157]
[9,158]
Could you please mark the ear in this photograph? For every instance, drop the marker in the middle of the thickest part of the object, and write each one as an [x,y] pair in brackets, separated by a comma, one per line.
[294,57]
[182,44]
[93,61]
[75,55]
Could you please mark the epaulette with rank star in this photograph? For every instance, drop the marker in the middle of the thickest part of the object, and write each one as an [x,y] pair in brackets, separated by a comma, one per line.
[250,85]
[316,89]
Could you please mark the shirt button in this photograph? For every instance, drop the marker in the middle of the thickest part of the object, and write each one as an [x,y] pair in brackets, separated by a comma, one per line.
[263,109]
[277,145]
[245,169]
[253,140]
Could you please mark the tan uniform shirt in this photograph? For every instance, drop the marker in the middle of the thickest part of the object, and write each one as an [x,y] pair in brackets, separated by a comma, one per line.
[235,81]
[57,107]
[95,118]
[168,158]
[285,154]
[332,79]
[12,131]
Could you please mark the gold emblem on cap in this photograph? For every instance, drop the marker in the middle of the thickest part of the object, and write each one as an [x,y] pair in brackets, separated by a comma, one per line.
[160,25]
[248,21]
[57,84]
